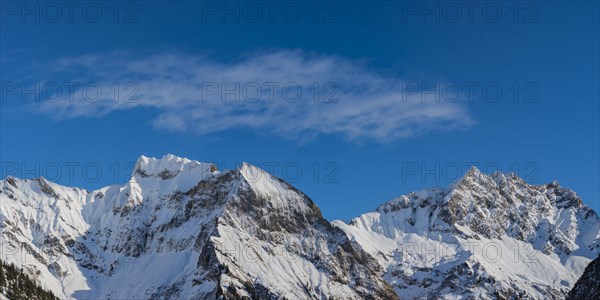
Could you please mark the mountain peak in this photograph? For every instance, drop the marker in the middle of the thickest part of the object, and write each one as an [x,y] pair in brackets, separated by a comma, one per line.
[472,177]
[254,174]
[499,210]
[193,227]
[497,178]
[169,166]
[472,173]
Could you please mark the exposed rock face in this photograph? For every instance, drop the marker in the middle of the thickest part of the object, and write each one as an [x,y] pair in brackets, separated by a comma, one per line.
[588,286]
[181,229]
[485,237]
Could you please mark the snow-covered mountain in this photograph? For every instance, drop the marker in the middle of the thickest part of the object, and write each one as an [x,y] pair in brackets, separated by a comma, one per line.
[588,286]
[182,229]
[484,237]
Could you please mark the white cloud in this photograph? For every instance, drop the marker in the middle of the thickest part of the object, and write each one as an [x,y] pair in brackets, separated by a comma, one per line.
[353,100]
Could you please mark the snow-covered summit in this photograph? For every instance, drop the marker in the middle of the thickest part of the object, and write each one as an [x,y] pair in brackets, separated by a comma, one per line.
[436,242]
[170,166]
[181,229]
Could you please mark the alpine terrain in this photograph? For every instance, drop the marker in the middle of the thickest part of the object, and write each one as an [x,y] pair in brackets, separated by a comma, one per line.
[182,229]
[588,286]
[484,237]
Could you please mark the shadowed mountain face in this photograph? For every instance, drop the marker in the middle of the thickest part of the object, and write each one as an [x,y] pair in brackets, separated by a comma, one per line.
[182,229]
[588,286]
[486,236]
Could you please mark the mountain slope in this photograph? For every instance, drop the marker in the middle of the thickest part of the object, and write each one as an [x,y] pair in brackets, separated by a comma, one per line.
[14,284]
[486,236]
[588,286]
[182,229]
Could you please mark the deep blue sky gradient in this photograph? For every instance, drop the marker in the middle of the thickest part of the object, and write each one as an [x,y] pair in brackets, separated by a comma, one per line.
[555,137]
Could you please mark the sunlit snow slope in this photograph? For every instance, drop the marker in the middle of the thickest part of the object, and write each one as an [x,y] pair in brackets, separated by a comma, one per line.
[486,236]
[181,229]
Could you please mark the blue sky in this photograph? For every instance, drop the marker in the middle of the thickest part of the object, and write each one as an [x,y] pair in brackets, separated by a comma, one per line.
[374,132]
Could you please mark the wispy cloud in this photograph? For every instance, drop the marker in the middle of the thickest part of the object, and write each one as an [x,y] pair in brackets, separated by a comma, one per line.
[293,94]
